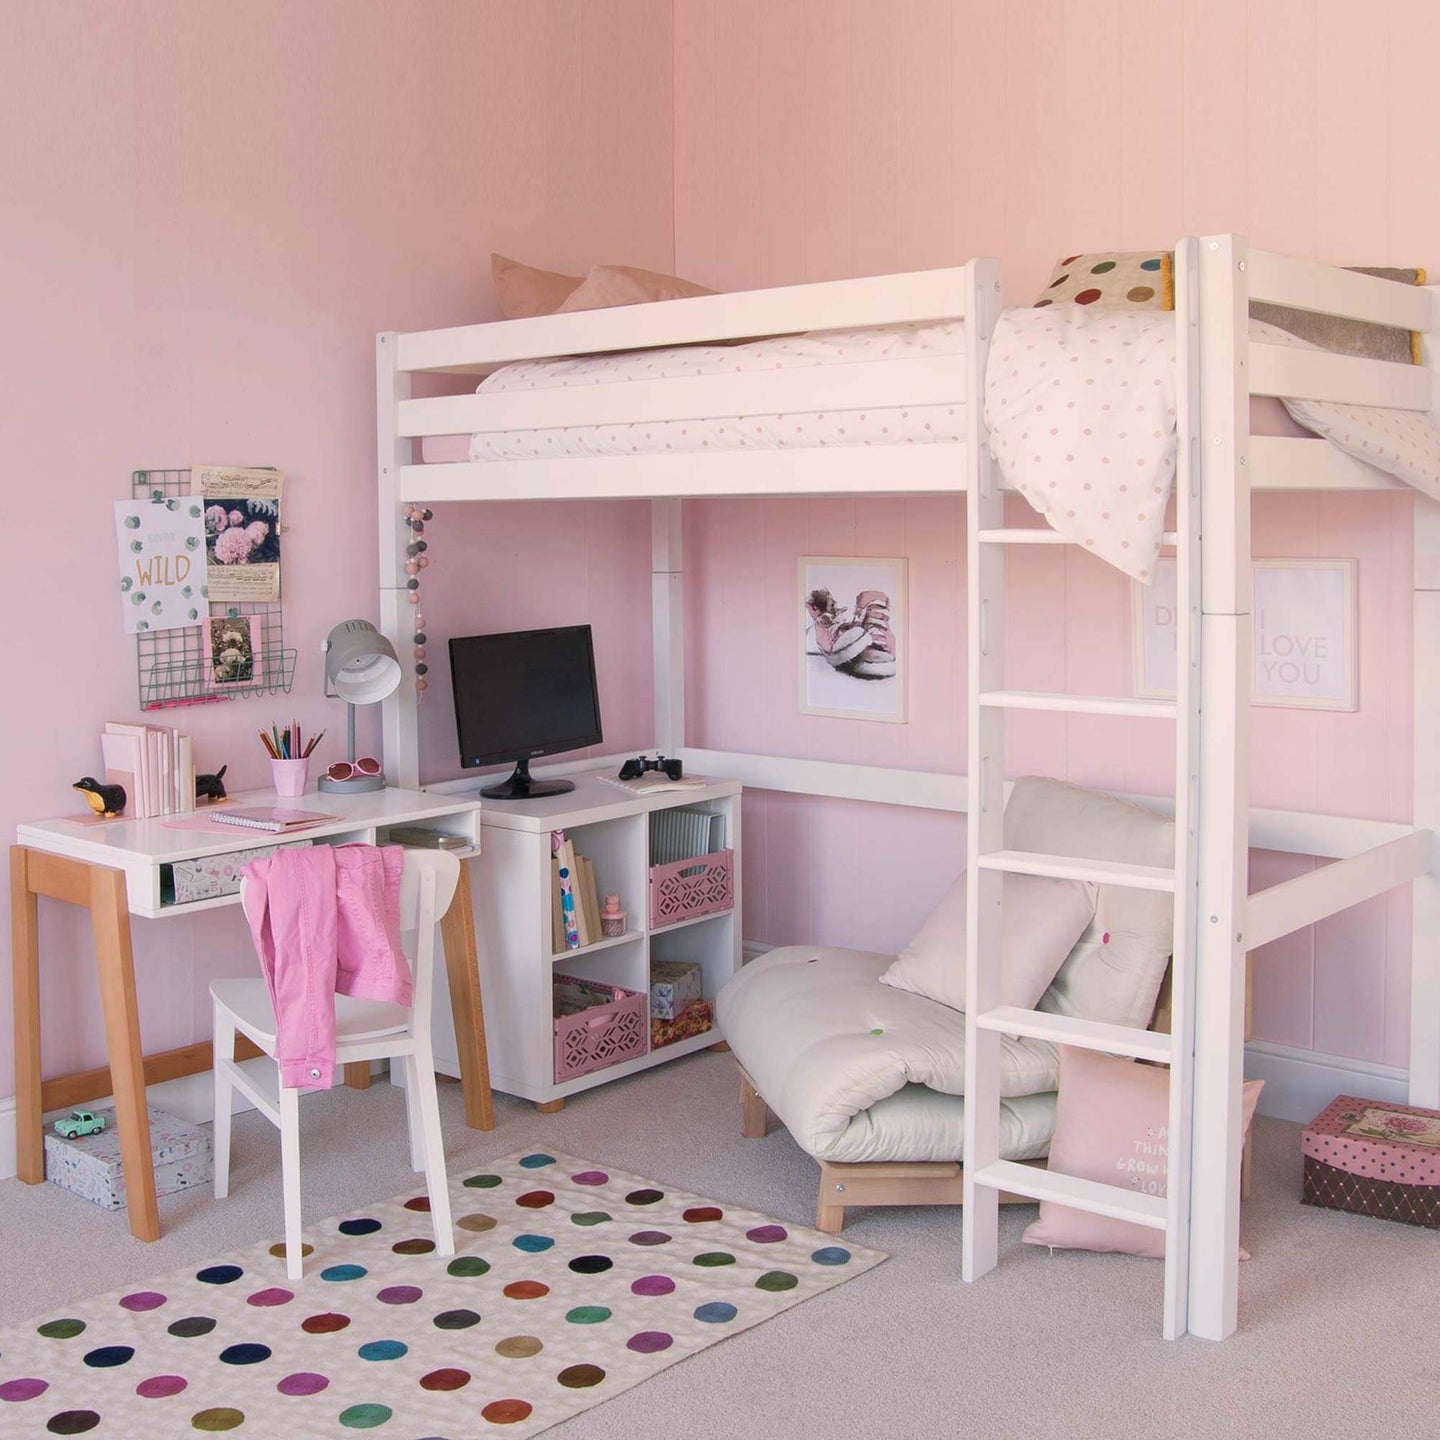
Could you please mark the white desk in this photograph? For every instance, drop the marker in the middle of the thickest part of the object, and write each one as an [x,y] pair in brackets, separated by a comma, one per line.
[113,870]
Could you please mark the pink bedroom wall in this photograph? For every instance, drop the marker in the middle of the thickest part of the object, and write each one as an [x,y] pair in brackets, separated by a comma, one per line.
[206,213]
[817,139]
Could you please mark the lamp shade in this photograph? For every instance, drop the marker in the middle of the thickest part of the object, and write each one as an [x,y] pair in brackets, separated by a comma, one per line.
[361,663]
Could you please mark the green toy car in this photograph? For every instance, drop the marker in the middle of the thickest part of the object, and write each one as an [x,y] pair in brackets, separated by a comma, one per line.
[78,1123]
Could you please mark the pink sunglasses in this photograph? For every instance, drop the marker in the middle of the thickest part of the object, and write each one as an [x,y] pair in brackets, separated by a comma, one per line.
[351,769]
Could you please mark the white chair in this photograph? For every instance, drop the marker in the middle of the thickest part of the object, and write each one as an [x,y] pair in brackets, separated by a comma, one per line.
[364,1030]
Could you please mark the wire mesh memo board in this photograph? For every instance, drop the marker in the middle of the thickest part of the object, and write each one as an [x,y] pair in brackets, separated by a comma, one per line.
[173,667]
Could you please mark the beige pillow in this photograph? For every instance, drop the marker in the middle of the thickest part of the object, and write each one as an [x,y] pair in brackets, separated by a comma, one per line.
[523,291]
[1113,279]
[1111,1117]
[608,285]
[1042,920]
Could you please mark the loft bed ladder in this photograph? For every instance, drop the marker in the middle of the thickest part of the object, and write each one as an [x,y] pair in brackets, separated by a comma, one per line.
[988,861]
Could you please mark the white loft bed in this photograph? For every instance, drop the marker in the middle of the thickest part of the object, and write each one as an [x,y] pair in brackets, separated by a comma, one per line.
[1220,463]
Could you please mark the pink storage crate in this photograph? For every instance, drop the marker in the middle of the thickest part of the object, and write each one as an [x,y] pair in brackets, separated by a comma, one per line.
[597,1025]
[698,886]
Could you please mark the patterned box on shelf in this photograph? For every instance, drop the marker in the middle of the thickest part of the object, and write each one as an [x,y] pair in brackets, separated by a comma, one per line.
[695,1019]
[673,985]
[1372,1159]
[596,1026]
[209,876]
[90,1165]
[690,888]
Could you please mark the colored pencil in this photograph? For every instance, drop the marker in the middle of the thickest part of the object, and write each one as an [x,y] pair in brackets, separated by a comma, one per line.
[314,741]
[269,746]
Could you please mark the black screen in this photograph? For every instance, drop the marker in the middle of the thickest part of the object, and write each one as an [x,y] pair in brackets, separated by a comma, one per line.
[527,693]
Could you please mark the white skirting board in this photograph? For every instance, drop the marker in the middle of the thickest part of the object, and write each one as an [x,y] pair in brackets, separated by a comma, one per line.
[1299,1084]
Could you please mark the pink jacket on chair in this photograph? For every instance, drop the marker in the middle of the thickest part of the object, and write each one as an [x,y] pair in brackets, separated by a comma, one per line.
[326,922]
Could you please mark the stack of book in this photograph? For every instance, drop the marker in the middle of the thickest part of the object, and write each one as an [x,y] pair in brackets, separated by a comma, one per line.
[579,881]
[154,763]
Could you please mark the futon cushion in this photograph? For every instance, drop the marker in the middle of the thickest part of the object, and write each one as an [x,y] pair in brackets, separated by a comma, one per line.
[1113,279]
[1042,921]
[608,285]
[523,291]
[850,1065]
[1114,972]
[1111,1123]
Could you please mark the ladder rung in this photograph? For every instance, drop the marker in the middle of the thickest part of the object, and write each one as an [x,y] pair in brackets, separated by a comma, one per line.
[1067,867]
[1043,535]
[1078,704]
[1087,1195]
[1087,1034]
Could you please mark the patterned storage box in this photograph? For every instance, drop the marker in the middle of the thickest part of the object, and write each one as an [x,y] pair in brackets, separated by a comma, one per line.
[673,985]
[596,1025]
[695,1019]
[1371,1159]
[90,1166]
[209,876]
[687,888]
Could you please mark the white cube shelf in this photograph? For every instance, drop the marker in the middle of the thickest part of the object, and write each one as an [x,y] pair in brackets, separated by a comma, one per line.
[513,926]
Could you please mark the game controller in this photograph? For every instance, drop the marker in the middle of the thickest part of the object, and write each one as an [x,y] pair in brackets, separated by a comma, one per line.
[636,768]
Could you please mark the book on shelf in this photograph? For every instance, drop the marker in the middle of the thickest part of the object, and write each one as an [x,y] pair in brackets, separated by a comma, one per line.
[584,895]
[274,818]
[155,764]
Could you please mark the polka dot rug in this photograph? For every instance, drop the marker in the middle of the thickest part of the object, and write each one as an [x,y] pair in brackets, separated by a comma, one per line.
[570,1283]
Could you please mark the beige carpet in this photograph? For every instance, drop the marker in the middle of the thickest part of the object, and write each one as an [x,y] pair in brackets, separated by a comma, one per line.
[1340,1322]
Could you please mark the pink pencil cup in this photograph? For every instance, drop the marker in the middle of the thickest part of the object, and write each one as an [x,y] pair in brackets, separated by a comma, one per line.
[290,777]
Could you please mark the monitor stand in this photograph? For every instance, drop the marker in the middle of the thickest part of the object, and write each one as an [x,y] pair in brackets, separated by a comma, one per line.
[519,786]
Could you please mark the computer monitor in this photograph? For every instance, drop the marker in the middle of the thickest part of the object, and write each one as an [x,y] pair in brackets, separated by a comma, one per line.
[522,695]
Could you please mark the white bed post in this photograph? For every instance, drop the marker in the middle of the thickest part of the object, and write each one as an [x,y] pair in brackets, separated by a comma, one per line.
[1425,936]
[1176,1312]
[985,771]
[667,605]
[400,741]
[1223,810]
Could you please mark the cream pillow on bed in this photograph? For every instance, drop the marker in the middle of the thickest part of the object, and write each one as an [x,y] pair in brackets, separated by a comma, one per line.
[1043,919]
[523,291]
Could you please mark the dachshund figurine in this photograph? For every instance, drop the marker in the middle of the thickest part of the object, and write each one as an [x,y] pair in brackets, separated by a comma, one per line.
[211,787]
[106,800]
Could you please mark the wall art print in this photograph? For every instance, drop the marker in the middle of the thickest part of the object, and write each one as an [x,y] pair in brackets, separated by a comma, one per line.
[161,546]
[853,637]
[242,531]
[1304,634]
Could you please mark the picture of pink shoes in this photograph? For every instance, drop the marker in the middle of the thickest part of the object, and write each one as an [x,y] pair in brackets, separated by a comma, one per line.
[853,658]
[858,641]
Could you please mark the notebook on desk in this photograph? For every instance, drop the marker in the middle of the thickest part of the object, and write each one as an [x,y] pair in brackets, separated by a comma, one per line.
[274,818]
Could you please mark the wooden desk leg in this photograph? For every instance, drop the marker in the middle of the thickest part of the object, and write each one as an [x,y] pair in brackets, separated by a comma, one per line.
[25,959]
[457,931]
[110,917]
[357,1074]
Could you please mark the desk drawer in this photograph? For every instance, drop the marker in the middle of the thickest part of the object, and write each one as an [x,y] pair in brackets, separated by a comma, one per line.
[208,877]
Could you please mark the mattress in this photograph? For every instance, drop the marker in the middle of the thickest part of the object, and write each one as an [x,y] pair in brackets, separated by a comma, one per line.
[1267,417]
[886,425]
[858,1071]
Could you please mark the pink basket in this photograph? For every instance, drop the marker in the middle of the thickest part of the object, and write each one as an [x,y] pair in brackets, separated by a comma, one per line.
[615,1026]
[687,888]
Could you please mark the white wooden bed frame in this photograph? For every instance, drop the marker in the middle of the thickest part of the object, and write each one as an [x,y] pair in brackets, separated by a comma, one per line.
[1220,463]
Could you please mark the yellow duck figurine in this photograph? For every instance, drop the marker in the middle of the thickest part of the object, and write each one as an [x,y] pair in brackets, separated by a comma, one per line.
[107,800]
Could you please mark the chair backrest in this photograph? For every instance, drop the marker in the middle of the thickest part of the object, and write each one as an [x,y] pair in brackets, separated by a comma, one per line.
[427,887]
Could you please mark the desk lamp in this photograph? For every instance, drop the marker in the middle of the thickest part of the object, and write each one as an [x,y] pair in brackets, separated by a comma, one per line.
[361,668]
